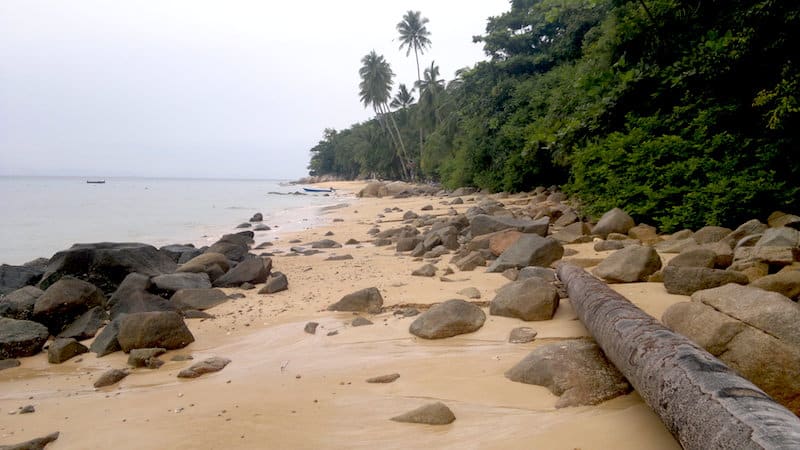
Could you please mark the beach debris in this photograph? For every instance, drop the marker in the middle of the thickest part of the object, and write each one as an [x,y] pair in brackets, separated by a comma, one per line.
[19,338]
[63,349]
[33,444]
[365,300]
[384,378]
[431,414]
[213,364]
[450,318]
[110,377]
[522,335]
[530,299]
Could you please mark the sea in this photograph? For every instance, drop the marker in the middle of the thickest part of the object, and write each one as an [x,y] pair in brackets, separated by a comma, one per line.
[42,215]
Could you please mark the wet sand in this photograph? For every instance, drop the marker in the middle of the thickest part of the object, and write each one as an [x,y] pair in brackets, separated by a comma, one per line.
[288,389]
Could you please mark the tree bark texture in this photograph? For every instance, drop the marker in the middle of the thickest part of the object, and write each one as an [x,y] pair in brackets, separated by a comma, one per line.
[702,402]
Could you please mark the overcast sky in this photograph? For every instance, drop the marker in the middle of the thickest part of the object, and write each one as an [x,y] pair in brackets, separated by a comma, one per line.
[228,89]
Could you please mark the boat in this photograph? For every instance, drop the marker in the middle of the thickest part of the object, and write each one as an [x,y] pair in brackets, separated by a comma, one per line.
[96,181]
[318,190]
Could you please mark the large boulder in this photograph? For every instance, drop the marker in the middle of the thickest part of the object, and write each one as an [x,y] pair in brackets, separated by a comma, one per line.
[198,299]
[529,250]
[251,270]
[153,329]
[470,261]
[613,221]
[450,318]
[64,301]
[781,219]
[20,338]
[749,228]
[577,371]
[213,364]
[786,283]
[106,342]
[688,280]
[374,189]
[213,264]
[15,277]
[697,257]
[529,299]
[106,264]
[63,349]
[326,243]
[780,237]
[133,296]
[180,253]
[276,282]
[365,300]
[631,264]
[19,303]
[502,240]
[431,414]
[85,326]
[483,224]
[234,246]
[710,234]
[170,283]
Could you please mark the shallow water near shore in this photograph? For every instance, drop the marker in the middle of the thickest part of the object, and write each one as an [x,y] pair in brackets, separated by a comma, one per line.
[42,215]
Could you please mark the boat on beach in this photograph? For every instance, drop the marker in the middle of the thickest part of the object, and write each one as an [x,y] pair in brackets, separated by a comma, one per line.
[318,190]
[96,181]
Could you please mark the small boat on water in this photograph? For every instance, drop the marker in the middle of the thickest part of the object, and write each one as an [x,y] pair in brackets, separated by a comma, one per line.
[96,181]
[318,190]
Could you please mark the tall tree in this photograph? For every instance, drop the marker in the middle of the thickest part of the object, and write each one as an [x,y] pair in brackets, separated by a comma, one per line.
[403,99]
[375,89]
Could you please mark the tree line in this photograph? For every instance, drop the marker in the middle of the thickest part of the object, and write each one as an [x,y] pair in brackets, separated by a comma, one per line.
[685,112]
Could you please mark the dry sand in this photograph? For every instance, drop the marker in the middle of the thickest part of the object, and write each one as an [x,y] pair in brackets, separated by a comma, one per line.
[289,389]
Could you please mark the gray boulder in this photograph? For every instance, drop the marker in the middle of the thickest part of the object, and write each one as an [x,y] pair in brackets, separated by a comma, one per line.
[64,301]
[698,257]
[106,264]
[106,342]
[431,414]
[484,224]
[251,270]
[577,371]
[210,365]
[85,326]
[780,237]
[528,250]
[613,221]
[530,299]
[170,283]
[19,338]
[9,363]
[15,277]
[257,217]
[688,280]
[471,261]
[470,292]
[428,270]
[110,377]
[450,318]
[631,264]
[710,234]
[33,444]
[146,357]
[180,253]
[133,296]
[233,246]
[63,349]
[544,273]
[276,282]
[366,300]
[153,329]
[786,283]
[326,243]
[213,264]
[522,335]
[19,304]
[407,244]
[748,228]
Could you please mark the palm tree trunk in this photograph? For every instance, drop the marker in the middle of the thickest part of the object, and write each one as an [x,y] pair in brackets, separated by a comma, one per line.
[702,402]
[419,82]
[403,155]
[381,113]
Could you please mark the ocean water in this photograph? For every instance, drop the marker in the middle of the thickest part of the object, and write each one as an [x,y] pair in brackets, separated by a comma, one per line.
[42,215]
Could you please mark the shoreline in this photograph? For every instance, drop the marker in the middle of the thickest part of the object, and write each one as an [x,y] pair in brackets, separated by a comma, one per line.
[321,390]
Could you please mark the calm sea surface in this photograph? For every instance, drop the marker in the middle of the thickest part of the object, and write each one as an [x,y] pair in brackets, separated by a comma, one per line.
[42,215]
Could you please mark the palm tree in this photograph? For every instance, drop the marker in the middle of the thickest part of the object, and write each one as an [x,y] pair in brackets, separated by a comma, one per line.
[414,36]
[429,89]
[403,99]
[374,89]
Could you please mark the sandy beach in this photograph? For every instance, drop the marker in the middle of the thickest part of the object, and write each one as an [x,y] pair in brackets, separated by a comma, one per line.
[289,389]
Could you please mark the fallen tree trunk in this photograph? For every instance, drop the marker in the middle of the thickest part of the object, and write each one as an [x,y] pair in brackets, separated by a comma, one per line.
[702,402]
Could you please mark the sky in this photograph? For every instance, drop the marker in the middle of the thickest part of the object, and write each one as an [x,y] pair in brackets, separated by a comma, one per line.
[206,89]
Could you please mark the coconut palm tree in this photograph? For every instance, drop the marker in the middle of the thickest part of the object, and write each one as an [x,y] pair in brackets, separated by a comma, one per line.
[403,99]
[430,87]
[414,35]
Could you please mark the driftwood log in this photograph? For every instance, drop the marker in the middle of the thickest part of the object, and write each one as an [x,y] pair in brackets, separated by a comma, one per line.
[702,402]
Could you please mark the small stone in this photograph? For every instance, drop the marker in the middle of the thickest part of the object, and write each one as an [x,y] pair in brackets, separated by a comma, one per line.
[432,414]
[27,409]
[384,378]
[360,322]
[311,327]
[522,335]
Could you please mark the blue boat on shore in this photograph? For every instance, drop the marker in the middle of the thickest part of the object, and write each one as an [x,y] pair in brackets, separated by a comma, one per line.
[318,190]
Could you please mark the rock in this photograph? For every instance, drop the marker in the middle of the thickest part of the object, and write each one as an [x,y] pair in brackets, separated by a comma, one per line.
[360,322]
[780,237]
[723,253]
[33,444]
[9,363]
[646,234]
[531,299]
[213,364]
[577,371]
[545,273]
[574,233]
[247,286]
[64,301]
[781,219]
[676,245]
[339,258]
[63,349]
[180,252]
[106,342]
[110,377]
[261,227]
[512,273]
[20,338]
[710,234]
[233,246]
[748,228]
[427,208]
[352,242]
[85,326]
[522,335]
[436,252]
[501,240]
[785,283]
[428,270]
[141,357]
[276,282]
[631,264]
[374,189]
[195,314]
[431,414]
[613,221]
[326,243]
[133,296]
[384,378]
[153,329]
[698,257]
[529,250]
[567,218]
[173,282]
[15,277]
[470,292]
[257,217]
[311,327]
[106,264]
[244,225]
[688,280]
[407,244]
[450,318]
[382,242]
[604,246]
[251,270]
[366,300]
[410,215]
[484,224]
[213,264]
[19,304]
